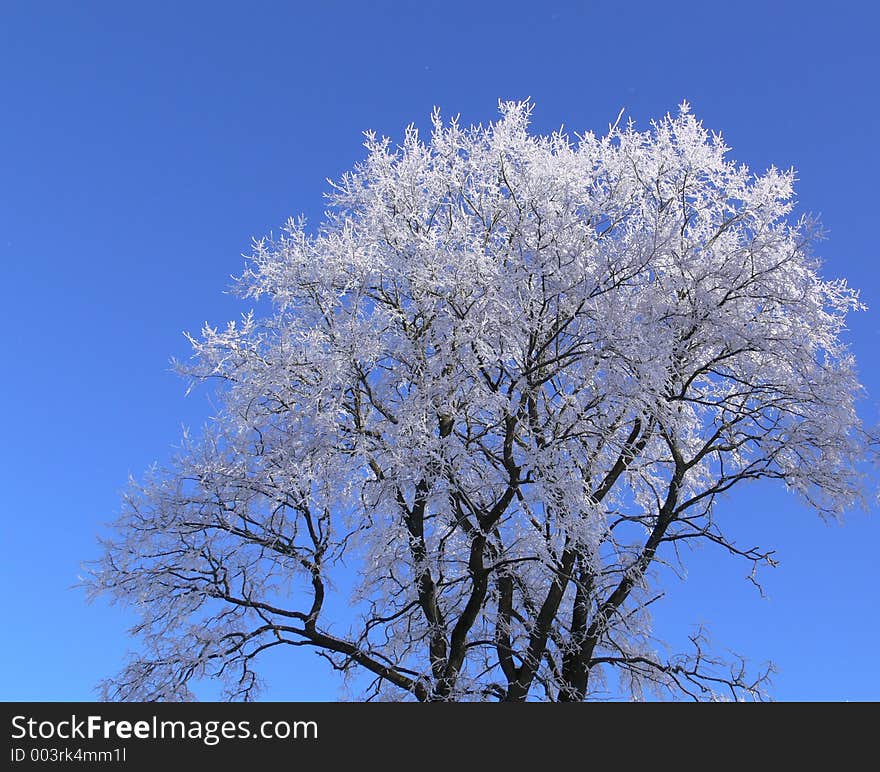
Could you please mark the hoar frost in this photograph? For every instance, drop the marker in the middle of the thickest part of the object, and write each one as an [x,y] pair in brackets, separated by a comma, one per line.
[506,375]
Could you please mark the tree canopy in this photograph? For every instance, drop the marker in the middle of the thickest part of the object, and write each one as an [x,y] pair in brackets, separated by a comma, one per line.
[504,376]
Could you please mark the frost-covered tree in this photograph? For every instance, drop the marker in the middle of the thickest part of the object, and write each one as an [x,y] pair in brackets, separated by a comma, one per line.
[507,375]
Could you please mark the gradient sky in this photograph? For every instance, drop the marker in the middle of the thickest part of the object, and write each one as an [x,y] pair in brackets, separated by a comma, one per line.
[142,146]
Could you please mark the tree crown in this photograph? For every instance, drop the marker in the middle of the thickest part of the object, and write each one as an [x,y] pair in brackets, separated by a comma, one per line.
[505,376]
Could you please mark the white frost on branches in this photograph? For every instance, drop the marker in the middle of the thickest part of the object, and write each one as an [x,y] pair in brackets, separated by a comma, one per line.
[502,378]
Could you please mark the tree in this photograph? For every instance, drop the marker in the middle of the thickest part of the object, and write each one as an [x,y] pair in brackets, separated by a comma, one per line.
[507,376]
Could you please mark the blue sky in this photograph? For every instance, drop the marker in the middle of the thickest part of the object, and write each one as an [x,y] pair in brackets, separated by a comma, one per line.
[143,145]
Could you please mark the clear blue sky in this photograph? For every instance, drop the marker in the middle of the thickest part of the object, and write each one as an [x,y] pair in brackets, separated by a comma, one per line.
[142,145]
